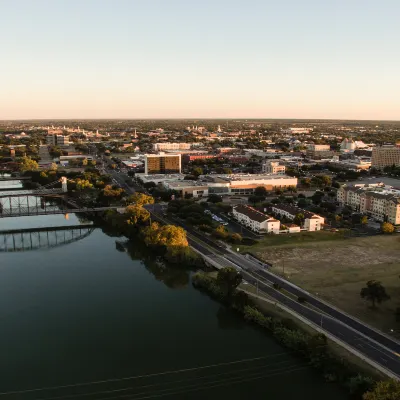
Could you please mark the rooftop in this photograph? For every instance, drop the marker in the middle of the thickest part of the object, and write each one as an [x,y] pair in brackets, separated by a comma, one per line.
[253,214]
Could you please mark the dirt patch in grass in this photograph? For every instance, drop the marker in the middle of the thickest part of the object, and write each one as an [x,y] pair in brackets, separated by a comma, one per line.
[338,269]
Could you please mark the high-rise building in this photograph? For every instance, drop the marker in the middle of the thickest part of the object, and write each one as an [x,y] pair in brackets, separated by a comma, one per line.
[162,163]
[385,156]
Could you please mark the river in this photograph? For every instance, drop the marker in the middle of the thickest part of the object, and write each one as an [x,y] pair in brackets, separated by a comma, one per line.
[92,311]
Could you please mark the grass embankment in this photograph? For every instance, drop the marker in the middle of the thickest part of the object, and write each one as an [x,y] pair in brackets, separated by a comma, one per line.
[336,269]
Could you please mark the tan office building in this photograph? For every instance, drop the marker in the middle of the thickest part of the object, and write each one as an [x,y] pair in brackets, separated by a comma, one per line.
[162,163]
[385,156]
[273,167]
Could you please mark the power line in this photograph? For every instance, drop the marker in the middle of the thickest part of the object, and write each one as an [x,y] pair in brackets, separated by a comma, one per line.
[140,376]
[211,376]
[206,387]
[82,384]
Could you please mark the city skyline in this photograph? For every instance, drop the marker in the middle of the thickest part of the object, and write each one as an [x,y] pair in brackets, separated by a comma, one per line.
[223,59]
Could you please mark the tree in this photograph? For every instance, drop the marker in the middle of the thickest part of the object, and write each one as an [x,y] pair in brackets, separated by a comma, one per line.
[299,219]
[197,171]
[364,220]
[229,279]
[235,238]
[220,232]
[82,184]
[85,162]
[384,390]
[27,164]
[326,180]
[140,199]
[166,235]
[136,214]
[214,198]
[306,182]
[53,167]
[260,191]
[387,227]
[302,203]
[374,292]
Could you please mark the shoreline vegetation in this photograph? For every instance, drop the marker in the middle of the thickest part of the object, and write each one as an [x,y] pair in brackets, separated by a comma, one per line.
[311,347]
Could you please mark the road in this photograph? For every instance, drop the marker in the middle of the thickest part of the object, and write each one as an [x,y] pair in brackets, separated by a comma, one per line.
[370,343]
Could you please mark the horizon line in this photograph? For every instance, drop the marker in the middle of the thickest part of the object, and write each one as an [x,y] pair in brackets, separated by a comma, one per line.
[198,118]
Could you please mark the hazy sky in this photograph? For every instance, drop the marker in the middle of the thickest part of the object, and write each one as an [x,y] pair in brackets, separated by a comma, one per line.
[208,58]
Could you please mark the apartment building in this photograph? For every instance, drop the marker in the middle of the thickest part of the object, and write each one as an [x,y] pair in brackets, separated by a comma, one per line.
[385,156]
[273,167]
[378,201]
[312,222]
[255,220]
[171,146]
[162,163]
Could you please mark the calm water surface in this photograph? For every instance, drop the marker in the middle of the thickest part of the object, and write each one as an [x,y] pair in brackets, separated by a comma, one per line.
[93,310]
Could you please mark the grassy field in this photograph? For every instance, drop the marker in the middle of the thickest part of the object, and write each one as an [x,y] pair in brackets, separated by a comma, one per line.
[336,268]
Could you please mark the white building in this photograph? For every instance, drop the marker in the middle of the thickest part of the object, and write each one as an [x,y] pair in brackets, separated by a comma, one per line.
[312,222]
[297,130]
[273,167]
[255,220]
[244,184]
[171,146]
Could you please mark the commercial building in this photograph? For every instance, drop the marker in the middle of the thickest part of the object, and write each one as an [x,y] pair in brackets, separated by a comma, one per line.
[319,151]
[186,188]
[255,220]
[356,164]
[377,200]
[273,167]
[197,156]
[244,184]
[162,163]
[312,222]
[297,130]
[385,156]
[171,146]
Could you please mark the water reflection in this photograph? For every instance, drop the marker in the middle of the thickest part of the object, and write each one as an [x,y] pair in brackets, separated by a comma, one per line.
[227,319]
[172,276]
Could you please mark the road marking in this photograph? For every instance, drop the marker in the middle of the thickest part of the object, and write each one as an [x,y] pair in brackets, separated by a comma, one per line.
[397,354]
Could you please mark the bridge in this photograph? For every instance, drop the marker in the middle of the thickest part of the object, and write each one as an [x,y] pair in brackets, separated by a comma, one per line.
[42,202]
[14,178]
[19,240]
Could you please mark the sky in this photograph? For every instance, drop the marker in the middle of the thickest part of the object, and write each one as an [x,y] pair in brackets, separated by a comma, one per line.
[200,59]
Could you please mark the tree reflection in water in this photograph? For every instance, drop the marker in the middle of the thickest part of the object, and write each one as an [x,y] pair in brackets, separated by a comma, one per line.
[173,276]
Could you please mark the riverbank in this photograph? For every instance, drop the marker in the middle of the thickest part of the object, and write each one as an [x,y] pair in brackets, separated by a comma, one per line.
[312,347]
